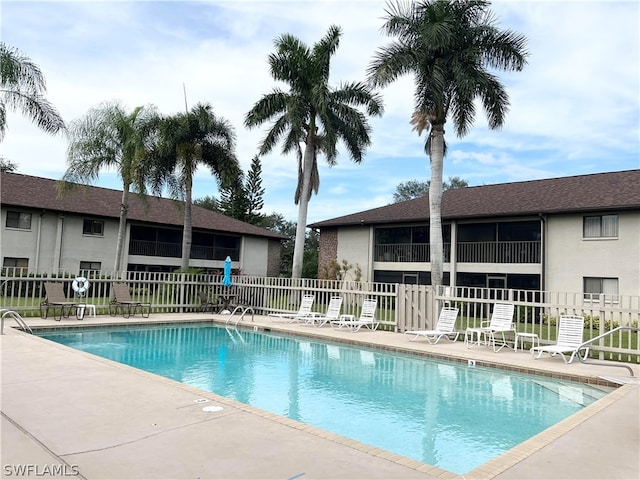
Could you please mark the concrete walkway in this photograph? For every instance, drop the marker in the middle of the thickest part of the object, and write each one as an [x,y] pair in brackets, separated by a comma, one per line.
[67,413]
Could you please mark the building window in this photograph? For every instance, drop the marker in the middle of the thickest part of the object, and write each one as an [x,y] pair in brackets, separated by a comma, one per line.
[596,286]
[600,226]
[19,220]
[87,267]
[19,265]
[93,227]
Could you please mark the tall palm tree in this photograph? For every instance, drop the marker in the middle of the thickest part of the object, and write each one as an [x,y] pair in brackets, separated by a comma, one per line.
[22,87]
[314,114]
[185,141]
[110,137]
[449,46]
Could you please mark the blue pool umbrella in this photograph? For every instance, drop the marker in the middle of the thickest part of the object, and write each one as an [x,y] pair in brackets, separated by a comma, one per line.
[226,281]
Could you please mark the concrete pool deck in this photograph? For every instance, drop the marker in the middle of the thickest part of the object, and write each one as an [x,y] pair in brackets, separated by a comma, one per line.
[66,413]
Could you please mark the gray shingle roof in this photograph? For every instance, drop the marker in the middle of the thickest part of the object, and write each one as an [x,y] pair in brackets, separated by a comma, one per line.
[583,193]
[20,190]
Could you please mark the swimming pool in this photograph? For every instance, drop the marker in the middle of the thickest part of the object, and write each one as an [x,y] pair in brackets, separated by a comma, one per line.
[446,414]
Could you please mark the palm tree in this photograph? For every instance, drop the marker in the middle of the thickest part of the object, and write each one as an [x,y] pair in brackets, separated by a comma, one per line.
[22,87]
[314,114]
[185,141]
[109,137]
[449,47]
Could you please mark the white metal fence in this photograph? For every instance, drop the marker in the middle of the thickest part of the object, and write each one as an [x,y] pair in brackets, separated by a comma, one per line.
[400,307]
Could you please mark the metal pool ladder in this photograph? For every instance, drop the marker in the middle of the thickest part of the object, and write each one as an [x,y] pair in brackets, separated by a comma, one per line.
[6,313]
[243,311]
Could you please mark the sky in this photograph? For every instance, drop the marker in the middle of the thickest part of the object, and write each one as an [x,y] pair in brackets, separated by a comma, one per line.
[575,107]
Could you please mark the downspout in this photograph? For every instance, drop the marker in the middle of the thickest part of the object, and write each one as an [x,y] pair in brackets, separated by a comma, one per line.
[38,242]
[543,247]
[453,257]
[370,248]
[243,248]
[57,255]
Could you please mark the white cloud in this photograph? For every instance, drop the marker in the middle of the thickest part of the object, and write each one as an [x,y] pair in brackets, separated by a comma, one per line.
[574,108]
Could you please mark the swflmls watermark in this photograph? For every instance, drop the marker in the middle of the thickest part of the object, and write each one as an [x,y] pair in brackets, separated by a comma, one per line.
[33,470]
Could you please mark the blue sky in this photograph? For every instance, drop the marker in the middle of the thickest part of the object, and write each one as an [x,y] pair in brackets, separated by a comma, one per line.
[575,108]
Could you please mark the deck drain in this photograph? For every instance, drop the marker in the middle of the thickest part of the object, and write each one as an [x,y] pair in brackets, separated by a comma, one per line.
[201,400]
[212,408]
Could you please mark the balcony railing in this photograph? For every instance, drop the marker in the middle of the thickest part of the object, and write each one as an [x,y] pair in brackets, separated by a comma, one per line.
[498,252]
[407,252]
[174,250]
[155,249]
[471,252]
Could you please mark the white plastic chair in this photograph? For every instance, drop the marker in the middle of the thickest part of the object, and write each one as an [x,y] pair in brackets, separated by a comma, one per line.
[366,319]
[444,328]
[570,333]
[501,322]
[303,313]
[332,313]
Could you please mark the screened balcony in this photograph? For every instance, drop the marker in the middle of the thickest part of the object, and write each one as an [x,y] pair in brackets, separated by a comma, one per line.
[164,242]
[487,242]
[498,252]
[407,252]
[468,252]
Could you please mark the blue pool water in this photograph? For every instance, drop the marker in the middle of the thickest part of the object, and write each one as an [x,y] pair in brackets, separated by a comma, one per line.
[446,414]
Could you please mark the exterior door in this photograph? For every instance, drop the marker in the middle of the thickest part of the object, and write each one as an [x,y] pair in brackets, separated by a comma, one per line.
[410,278]
[498,287]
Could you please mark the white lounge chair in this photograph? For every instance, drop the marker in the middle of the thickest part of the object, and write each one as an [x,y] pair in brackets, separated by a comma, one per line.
[444,328]
[303,313]
[332,313]
[501,322]
[366,319]
[570,332]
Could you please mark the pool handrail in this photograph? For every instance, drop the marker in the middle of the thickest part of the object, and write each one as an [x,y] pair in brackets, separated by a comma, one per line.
[608,364]
[17,317]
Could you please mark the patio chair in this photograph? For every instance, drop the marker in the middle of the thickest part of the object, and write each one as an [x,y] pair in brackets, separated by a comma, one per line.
[55,298]
[206,304]
[332,313]
[122,301]
[570,332]
[444,328]
[501,322]
[366,319]
[303,313]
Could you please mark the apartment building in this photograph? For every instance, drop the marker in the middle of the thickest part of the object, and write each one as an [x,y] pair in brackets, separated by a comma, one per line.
[570,234]
[44,232]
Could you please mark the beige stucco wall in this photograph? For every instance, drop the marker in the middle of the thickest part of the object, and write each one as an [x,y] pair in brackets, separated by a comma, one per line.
[77,247]
[255,256]
[19,243]
[69,251]
[354,245]
[570,258]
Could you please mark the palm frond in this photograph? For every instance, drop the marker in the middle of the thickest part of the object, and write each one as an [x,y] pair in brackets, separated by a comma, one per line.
[22,88]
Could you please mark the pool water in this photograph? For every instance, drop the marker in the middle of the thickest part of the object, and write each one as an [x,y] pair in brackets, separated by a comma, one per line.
[445,414]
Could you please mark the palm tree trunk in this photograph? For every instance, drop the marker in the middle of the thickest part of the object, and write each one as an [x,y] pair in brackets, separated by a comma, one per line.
[186,232]
[435,204]
[301,228]
[124,207]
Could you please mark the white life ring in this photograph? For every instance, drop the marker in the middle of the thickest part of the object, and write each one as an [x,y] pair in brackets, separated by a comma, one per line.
[80,285]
